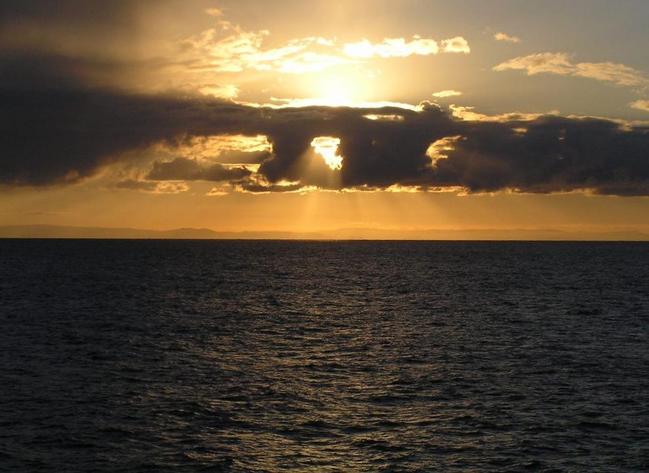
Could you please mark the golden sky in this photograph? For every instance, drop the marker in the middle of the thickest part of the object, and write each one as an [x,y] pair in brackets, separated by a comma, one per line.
[306,116]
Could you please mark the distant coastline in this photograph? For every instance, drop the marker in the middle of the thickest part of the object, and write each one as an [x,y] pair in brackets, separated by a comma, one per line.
[74,232]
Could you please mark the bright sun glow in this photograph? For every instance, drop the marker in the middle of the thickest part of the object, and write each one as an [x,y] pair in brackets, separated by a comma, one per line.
[341,89]
[351,89]
[337,92]
[327,147]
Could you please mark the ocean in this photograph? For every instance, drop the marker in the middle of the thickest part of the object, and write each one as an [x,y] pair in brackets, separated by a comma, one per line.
[273,356]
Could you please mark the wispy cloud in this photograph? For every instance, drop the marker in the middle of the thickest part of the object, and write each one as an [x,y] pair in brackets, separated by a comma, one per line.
[456,45]
[554,63]
[505,37]
[241,50]
[447,93]
[640,105]
[227,91]
[560,63]
[152,187]
[392,47]
[469,114]
[611,72]
[218,191]
[185,169]
[282,102]
[214,12]
[400,47]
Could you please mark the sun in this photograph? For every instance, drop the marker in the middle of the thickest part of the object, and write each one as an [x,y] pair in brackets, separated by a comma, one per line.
[327,147]
[338,90]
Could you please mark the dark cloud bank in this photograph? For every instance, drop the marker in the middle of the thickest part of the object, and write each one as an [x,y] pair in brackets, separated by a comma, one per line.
[54,134]
[54,129]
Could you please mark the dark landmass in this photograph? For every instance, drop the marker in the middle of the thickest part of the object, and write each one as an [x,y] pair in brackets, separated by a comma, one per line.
[55,231]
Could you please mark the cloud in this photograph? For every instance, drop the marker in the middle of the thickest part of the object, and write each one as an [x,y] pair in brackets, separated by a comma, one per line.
[456,45]
[259,185]
[393,117]
[217,192]
[611,72]
[59,131]
[216,12]
[150,187]
[392,47]
[243,50]
[309,61]
[400,47]
[242,157]
[221,148]
[555,63]
[228,91]
[135,45]
[91,18]
[447,93]
[535,154]
[560,63]
[505,37]
[549,154]
[184,169]
[90,29]
[117,43]
[469,114]
[640,105]
[277,102]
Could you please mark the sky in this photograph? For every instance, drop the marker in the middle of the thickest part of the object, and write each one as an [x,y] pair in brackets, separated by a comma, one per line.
[241,115]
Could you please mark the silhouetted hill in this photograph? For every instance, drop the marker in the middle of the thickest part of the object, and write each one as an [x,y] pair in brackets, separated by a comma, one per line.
[56,231]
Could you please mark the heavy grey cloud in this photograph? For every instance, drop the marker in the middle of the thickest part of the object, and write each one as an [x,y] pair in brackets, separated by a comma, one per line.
[77,27]
[95,16]
[549,154]
[55,129]
[185,169]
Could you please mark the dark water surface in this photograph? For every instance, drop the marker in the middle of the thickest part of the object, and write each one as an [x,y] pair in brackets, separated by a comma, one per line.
[323,356]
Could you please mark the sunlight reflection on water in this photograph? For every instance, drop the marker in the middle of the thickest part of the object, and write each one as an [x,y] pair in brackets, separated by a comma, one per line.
[298,356]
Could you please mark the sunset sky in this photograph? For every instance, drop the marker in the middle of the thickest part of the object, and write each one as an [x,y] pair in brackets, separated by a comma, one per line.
[294,115]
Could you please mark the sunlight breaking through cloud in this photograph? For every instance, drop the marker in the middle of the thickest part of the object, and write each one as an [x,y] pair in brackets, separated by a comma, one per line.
[327,147]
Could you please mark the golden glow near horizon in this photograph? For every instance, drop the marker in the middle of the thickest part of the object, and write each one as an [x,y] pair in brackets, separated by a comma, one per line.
[236,127]
[327,147]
